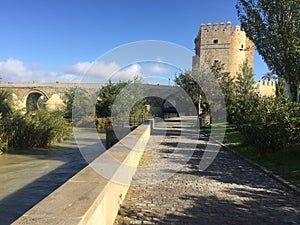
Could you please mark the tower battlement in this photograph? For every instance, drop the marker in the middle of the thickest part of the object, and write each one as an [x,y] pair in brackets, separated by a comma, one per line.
[225,43]
[266,88]
[219,27]
[216,26]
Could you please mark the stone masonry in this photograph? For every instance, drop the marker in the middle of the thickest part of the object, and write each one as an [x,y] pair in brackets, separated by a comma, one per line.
[54,93]
[229,46]
[222,43]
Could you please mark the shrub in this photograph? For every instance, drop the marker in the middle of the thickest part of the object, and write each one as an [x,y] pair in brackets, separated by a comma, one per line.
[37,129]
[268,124]
[5,102]
[3,140]
[103,123]
[272,124]
[51,126]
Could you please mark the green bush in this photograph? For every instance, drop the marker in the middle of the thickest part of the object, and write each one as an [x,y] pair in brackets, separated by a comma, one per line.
[3,140]
[270,124]
[51,126]
[103,123]
[5,102]
[37,129]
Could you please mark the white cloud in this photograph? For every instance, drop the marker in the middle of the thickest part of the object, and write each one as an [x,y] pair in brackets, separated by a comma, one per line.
[78,68]
[155,69]
[104,71]
[68,78]
[93,69]
[128,73]
[15,70]
[12,68]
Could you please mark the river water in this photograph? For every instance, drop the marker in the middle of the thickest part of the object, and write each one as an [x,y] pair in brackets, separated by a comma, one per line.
[29,176]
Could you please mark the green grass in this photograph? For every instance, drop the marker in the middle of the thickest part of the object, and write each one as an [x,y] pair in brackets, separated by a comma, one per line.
[285,163]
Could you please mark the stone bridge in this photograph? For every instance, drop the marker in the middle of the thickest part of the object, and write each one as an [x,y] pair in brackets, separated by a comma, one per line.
[53,94]
[26,95]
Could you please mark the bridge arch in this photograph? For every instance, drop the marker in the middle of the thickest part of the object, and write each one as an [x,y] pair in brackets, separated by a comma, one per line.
[35,99]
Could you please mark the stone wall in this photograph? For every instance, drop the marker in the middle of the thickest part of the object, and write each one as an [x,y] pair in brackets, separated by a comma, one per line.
[241,50]
[266,88]
[225,44]
[213,43]
[88,197]
[56,102]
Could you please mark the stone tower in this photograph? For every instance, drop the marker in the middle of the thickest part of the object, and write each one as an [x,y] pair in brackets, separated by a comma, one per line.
[224,44]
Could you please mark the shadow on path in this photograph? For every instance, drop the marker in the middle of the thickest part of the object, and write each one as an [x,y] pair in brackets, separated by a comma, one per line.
[229,191]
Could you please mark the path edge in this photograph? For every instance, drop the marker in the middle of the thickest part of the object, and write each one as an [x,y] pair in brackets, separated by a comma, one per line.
[256,165]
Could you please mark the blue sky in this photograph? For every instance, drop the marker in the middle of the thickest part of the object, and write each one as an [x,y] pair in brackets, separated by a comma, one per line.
[49,40]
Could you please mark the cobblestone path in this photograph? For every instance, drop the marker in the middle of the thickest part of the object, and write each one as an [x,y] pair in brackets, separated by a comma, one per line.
[230,191]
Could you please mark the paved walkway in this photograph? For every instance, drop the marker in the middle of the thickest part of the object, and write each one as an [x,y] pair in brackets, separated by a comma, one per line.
[230,191]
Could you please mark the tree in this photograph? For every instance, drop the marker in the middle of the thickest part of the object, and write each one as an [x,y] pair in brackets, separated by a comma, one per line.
[189,84]
[125,93]
[201,84]
[5,102]
[269,76]
[280,88]
[274,28]
[245,99]
[69,96]
[107,97]
[225,80]
[245,80]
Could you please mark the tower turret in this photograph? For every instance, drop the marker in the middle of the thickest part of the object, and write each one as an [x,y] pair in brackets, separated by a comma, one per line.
[223,44]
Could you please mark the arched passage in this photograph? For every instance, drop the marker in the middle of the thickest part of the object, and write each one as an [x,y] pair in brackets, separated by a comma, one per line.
[35,100]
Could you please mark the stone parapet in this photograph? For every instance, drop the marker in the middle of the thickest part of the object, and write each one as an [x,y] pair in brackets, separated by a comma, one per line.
[88,197]
[266,88]
[49,85]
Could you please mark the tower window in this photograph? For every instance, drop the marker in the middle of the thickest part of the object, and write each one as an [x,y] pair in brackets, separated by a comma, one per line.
[215,41]
[242,46]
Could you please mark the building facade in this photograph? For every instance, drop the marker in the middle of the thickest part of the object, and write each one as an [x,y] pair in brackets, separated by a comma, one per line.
[222,43]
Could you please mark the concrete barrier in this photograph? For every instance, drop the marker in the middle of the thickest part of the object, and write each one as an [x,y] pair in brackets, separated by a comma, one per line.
[88,197]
